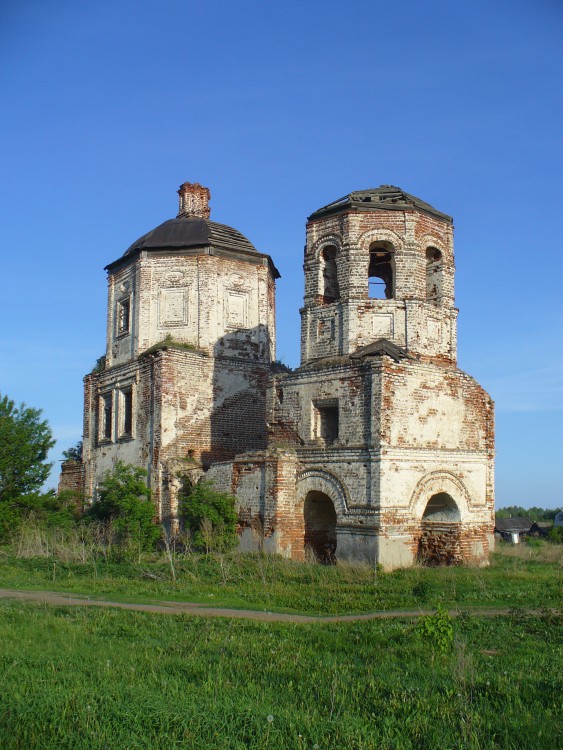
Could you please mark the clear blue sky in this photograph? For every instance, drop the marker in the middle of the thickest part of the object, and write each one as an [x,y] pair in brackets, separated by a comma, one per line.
[281,108]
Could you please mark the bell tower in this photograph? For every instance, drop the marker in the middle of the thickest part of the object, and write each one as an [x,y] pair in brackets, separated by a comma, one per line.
[379,264]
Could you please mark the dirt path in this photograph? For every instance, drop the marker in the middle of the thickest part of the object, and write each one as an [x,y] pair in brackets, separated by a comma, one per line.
[175,608]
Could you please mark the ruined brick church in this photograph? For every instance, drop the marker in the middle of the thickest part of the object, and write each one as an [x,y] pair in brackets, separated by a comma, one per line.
[375,449]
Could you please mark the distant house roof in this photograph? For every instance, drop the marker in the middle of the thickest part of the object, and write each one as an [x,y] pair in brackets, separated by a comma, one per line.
[513,525]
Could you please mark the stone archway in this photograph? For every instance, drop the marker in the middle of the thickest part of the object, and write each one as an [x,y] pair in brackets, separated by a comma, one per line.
[320,526]
[439,541]
[314,487]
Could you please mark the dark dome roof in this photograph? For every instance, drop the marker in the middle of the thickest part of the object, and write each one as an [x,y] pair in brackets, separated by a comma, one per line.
[383,198]
[192,231]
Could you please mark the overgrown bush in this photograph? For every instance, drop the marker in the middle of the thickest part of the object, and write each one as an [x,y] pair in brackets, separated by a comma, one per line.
[437,630]
[210,516]
[74,453]
[46,508]
[125,501]
[555,534]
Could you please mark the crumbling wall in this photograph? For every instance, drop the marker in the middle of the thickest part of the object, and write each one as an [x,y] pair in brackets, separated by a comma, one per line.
[71,478]
[439,544]
[270,516]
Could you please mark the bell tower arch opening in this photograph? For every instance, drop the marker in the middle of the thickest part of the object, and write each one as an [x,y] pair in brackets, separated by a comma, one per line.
[329,270]
[381,271]
[439,542]
[320,527]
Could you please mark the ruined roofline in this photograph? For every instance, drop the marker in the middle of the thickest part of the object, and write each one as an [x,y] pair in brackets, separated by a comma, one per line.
[383,198]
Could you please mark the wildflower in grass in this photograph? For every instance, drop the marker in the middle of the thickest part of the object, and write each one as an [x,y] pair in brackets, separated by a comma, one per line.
[269,718]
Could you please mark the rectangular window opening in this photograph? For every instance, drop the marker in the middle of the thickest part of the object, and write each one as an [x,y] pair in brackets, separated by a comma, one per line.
[106,417]
[127,404]
[326,421]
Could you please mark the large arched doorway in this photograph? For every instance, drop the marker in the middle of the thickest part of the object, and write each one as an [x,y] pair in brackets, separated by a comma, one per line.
[439,542]
[320,527]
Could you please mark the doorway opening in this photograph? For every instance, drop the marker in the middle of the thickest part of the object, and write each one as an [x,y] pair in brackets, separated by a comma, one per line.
[320,527]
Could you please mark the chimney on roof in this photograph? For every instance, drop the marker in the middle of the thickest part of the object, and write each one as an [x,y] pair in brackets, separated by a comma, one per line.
[194,200]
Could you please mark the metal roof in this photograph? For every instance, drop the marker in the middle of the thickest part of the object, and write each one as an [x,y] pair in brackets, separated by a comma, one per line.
[188,234]
[192,231]
[383,198]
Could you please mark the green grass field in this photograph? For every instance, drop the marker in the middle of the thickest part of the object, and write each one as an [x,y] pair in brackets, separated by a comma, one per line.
[77,678]
[518,577]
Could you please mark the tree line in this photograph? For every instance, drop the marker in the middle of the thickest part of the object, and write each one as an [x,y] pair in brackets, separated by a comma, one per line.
[533,514]
[123,502]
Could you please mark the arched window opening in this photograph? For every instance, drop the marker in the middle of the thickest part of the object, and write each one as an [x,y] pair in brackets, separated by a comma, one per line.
[320,527]
[441,508]
[331,292]
[439,542]
[381,269]
[434,268]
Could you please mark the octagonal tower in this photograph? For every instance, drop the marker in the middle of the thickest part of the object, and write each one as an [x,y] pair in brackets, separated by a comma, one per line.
[379,263]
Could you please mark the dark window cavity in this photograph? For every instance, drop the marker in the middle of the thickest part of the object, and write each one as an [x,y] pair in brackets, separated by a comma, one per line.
[106,416]
[326,421]
[127,401]
[331,292]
